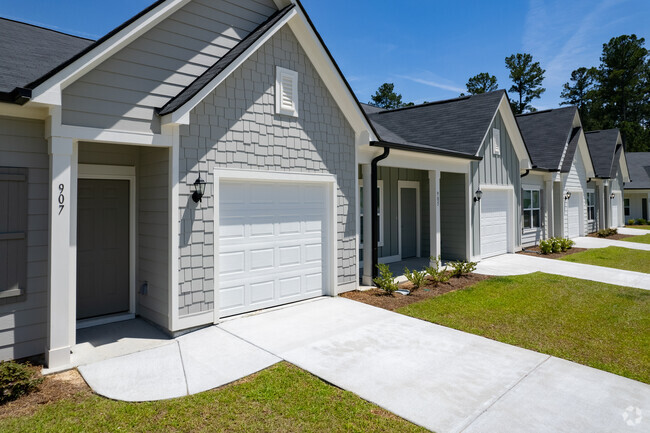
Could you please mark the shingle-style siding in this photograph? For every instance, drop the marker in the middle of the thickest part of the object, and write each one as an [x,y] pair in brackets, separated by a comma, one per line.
[23,319]
[452,216]
[501,170]
[153,234]
[576,180]
[123,91]
[237,127]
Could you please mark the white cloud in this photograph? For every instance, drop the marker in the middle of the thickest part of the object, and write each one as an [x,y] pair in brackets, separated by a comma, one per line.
[431,83]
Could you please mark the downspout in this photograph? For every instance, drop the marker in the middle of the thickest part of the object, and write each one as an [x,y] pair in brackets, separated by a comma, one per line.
[373,207]
[525,174]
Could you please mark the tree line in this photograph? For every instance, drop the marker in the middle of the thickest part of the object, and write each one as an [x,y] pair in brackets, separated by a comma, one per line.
[614,94]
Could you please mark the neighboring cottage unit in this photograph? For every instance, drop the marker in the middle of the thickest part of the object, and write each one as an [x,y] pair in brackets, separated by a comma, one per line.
[637,188]
[458,164]
[559,193]
[106,147]
[610,164]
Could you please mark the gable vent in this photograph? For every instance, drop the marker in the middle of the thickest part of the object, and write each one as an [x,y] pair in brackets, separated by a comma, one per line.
[286,92]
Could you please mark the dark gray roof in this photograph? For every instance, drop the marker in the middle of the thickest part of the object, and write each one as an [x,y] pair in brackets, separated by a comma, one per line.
[371,109]
[546,134]
[603,148]
[456,125]
[639,167]
[28,52]
[190,91]
[571,150]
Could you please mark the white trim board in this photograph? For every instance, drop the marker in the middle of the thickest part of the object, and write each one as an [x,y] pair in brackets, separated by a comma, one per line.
[405,184]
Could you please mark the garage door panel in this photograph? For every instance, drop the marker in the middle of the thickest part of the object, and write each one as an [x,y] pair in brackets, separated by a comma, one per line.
[272,242]
[494,223]
[573,217]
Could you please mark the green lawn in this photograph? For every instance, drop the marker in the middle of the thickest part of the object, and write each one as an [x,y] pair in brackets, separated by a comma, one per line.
[639,227]
[643,239]
[282,398]
[613,257]
[594,324]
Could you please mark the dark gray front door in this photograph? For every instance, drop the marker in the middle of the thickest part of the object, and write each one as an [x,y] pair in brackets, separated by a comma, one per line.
[102,248]
[644,208]
[409,222]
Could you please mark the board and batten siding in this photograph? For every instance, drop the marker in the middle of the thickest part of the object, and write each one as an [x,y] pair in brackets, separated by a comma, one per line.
[237,127]
[533,236]
[592,226]
[576,181]
[23,319]
[452,216]
[123,91]
[501,170]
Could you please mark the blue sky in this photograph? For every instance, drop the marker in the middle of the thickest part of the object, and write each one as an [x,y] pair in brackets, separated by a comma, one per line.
[428,48]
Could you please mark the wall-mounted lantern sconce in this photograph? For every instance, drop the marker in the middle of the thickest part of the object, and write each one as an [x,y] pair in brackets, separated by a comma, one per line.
[567,195]
[612,196]
[199,189]
[478,195]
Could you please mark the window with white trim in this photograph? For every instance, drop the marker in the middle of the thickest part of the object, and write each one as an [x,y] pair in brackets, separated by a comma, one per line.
[286,92]
[591,205]
[532,209]
[496,141]
[13,232]
[380,210]
[626,205]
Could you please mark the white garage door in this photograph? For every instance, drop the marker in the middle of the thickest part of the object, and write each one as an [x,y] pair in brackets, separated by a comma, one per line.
[272,244]
[573,216]
[494,223]
[616,209]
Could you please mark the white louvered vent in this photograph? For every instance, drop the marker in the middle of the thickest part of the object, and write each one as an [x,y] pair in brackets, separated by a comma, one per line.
[286,92]
[496,141]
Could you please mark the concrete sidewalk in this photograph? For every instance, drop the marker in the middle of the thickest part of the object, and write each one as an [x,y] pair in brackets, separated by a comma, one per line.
[634,232]
[589,242]
[520,264]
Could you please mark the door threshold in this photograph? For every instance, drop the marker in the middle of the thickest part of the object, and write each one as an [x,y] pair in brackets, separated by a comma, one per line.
[104,320]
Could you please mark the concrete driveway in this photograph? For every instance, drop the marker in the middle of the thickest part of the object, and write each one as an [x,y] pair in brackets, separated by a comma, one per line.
[443,379]
[520,264]
[589,242]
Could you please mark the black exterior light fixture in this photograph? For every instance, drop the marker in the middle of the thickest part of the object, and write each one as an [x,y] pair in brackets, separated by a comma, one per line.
[199,189]
[478,195]
[612,196]
[567,195]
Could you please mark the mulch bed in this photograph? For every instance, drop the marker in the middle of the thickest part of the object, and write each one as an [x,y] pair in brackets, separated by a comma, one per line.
[66,385]
[615,237]
[536,252]
[379,298]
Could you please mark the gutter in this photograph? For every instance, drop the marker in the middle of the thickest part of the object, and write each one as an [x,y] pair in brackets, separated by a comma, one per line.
[424,149]
[18,96]
[373,207]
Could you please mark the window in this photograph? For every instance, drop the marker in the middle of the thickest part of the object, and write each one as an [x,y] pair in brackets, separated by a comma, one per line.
[380,208]
[532,209]
[626,205]
[286,92]
[13,232]
[591,206]
[496,141]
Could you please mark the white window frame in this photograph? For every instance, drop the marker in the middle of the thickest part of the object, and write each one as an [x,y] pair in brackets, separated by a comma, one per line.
[532,209]
[593,205]
[496,141]
[380,187]
[282,76]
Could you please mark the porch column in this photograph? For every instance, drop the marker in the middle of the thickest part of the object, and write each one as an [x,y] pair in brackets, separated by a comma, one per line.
[602,214]
[434,212]
[366,280]
[60,252]
[550,210]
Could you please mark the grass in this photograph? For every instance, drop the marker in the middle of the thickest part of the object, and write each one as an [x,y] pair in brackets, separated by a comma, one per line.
[614,257]
[280,399]
[594,324]
[643,239]
[646,227]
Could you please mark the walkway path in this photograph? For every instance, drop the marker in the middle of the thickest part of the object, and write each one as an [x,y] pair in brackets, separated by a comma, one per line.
[589,242]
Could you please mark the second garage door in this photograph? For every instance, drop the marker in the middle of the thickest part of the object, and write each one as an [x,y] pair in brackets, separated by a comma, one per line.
[494,223]
[573,216]
[272,244]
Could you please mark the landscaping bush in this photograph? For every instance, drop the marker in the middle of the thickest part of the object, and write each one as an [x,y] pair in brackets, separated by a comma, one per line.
[556,244]
[437,274]
[604,233]
[385,281]
[566,244]
[546,246]
[16,380]
[631,222]
[415,277]
[641,222]
[460,268]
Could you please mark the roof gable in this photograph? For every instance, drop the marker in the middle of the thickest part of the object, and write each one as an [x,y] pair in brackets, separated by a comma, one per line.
[639,168]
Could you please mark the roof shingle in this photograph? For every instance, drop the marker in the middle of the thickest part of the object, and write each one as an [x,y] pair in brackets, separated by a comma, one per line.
[603,149]
[639,167]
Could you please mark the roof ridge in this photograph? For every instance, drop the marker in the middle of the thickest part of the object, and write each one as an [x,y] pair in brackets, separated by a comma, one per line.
[546,111]
[46,28]
[442,101]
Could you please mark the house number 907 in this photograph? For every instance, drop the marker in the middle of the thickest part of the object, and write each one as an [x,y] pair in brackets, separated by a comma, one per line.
[61,198]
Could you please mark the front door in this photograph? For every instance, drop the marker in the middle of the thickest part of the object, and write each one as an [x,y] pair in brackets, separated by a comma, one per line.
[409,222]
[102,248]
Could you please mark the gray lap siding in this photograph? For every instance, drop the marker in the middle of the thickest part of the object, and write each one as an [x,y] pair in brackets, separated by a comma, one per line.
[237,127]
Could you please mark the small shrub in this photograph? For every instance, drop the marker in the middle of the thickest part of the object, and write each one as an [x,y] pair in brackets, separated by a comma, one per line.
[641,222]
[566,244]
[605,233]
[546,246]
[460,268]
[631,222]
[415,277]
[437,274]
[556,244]
[385,281]
[16,380]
